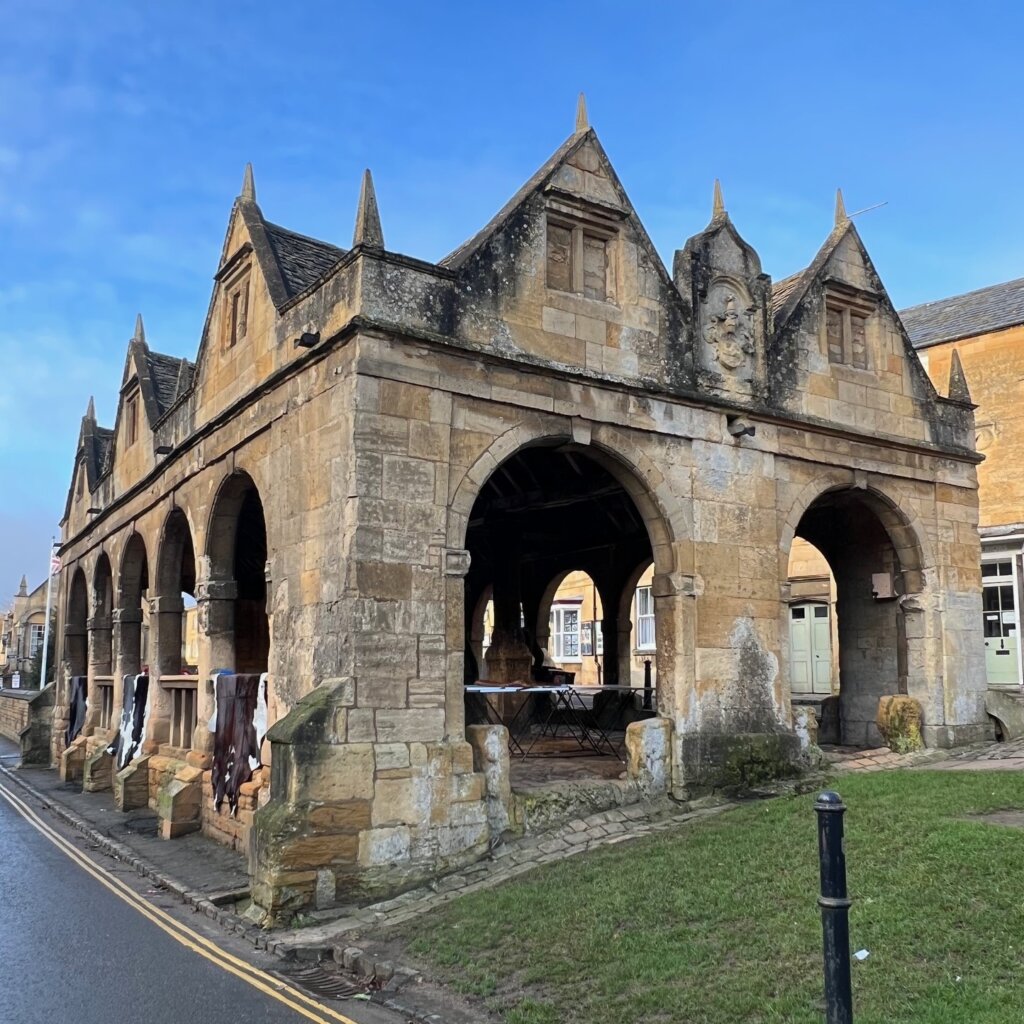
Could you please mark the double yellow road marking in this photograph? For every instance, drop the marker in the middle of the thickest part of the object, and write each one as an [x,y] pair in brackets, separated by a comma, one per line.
[182,934]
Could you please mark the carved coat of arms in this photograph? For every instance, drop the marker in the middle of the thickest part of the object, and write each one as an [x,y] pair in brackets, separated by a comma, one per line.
[728,333]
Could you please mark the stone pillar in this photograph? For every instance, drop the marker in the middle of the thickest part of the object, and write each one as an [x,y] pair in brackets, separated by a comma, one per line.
[165,639]
[216,621]
[127,638]
[612,649]
[455,562]
[100,647]
[508,658]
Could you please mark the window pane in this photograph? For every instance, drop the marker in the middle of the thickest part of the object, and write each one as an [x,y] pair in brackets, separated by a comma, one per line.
[798,613]
[1005,568]
[821,612]
[990,599]
[990,569]
[594,267]
[559,258]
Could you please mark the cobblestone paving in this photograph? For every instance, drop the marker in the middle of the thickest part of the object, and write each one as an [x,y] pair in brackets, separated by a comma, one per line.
[1007,756]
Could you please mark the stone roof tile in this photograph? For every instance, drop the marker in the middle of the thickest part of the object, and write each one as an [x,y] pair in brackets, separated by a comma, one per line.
[302,259]
[979,312]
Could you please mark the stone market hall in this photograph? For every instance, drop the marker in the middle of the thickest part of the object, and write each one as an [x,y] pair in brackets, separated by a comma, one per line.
[303,523]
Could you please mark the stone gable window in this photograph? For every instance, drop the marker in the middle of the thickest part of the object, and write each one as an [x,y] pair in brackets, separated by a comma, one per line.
[131,421]
[579,259]
[846,329]
[236,311]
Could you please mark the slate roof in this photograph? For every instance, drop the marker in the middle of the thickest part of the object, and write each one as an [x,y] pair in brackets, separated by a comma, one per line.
[781,290]
[300,258]
[170,376]
[979,312]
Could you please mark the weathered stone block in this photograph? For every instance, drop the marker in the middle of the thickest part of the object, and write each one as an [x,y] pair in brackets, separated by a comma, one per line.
[649,750]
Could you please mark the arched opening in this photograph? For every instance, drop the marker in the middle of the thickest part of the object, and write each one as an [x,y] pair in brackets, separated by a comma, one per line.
[555,537]
[175,584]
[101,648]
[175,703]
[239,629]
[133,639]
[131,682]
[813,629]
[875,562]
[76,654]
[76,646]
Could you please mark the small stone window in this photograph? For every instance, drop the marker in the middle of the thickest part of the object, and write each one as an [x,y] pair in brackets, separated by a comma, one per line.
[846,331]
[578,260]
[237,312]
[131,421]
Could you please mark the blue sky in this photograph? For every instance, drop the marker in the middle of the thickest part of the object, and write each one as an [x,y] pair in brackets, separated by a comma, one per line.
[125,127]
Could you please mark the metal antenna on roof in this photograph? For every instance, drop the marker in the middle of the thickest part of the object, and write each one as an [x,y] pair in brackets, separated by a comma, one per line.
[867,209]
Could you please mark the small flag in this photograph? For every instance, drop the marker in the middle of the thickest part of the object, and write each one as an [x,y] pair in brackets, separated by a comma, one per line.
[55,564]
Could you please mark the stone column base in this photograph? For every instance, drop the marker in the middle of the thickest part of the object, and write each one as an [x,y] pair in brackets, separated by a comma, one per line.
[945,736]
[98,771]
[736,762]
[72,761]
[649,750]
[131,785]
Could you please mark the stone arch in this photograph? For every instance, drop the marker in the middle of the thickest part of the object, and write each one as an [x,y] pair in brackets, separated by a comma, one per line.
[101,621]
[867,537]
[76,646]
[910,538]
[175,575]
[628,472]
[132,625]
[648,491]
[234,594]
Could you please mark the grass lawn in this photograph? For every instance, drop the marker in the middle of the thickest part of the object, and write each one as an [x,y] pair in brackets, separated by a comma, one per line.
[718,922]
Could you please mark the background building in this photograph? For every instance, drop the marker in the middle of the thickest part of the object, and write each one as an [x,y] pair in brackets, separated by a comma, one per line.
[22,629]
[982,332]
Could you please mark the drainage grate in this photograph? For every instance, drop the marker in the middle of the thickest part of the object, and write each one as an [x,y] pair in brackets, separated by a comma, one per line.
[318,982]
[140,825]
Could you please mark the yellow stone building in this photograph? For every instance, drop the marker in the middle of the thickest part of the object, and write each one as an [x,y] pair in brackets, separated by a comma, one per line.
[978,339]
[370,447]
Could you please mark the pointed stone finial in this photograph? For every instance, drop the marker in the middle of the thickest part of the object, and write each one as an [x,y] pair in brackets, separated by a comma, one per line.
[140,330]
[248,185]
[841,217]
[23,589]
[958,389]
[90,409]
[582,123]
[368,230]
[717,203]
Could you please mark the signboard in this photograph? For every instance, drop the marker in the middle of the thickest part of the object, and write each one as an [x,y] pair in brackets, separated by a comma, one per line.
[15,680]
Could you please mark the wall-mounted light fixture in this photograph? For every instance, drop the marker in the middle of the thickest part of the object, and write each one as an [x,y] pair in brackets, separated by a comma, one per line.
[738,426]
[307,339]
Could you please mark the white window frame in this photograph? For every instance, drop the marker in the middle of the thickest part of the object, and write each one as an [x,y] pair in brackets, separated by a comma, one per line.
[1012,556]
[644,619]
[35,641]
[560,635]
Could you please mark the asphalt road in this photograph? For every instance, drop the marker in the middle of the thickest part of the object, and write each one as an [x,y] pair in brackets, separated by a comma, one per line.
[73,951]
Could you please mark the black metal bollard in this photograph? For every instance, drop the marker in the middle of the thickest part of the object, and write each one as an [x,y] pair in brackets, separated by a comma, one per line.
[648,685]
[835,909]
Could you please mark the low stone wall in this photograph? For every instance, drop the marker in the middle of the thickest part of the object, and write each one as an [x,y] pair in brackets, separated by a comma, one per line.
[15,707]
[26,716]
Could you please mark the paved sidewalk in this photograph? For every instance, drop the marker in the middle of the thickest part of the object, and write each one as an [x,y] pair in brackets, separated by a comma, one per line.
[1008,756]
[196,862]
